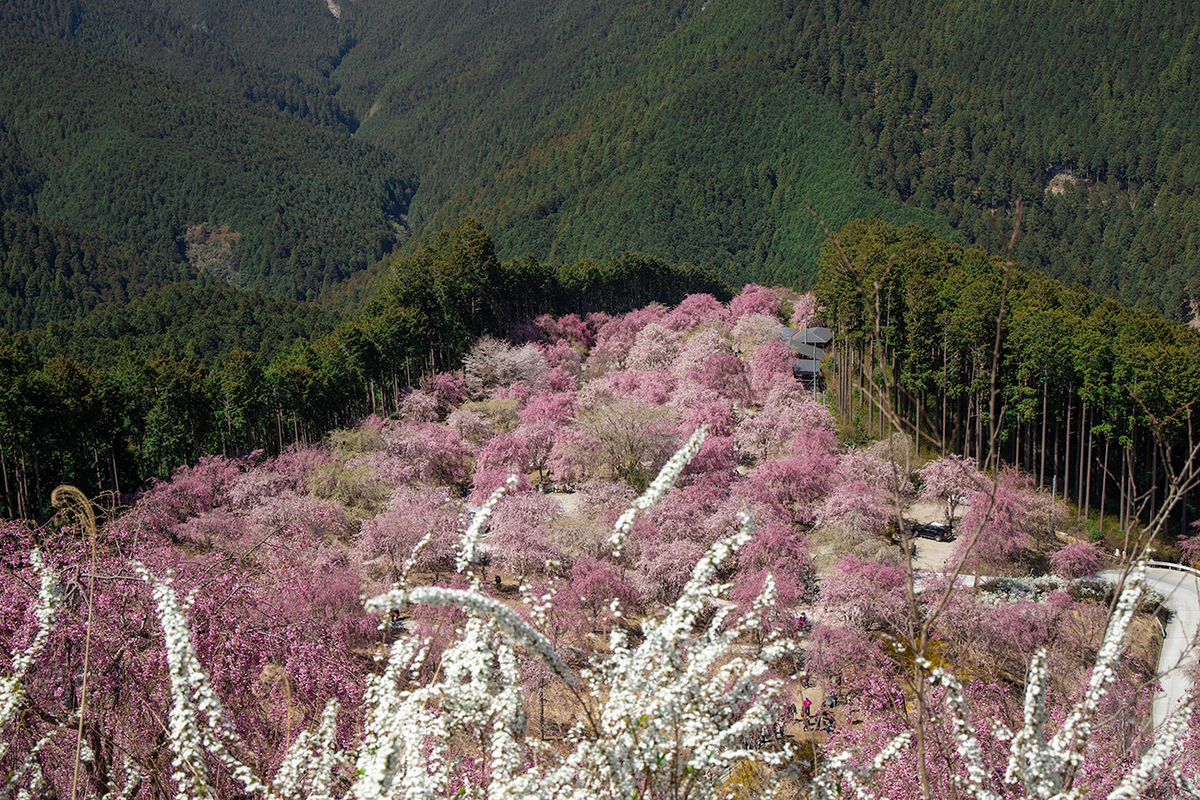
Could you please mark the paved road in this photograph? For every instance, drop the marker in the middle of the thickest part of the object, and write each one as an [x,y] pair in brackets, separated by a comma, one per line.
[1182,593]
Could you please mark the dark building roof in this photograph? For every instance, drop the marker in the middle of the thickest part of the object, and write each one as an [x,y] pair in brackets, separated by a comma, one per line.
[807,365]
[818,336]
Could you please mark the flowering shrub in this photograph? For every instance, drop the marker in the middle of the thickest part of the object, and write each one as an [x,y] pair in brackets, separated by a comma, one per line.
[654,348]
[665,713]
[950,480]
[754,329]
[999,526]
[1077,559]
[695,310]
[755,299]
[419,406]
[215,643]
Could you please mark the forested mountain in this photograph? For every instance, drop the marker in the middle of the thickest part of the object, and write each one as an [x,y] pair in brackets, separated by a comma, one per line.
[693,131]
[1086,111]
[699,131]
[273,53]
[269,154]
[188,182]
[590,130]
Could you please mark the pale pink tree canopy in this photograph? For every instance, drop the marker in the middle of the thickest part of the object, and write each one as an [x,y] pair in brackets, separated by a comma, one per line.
[492,364]
[865,593]
[616,335]
[387,540]
[651,386]
[592,586]
[804,310]
[470,426]
[787,411]
[725,374]
[695,310]
[859,506]
[1078,559]
[449,390]
[669,566]
[525,551]
[752,330]
[419,406]
[654,348]
[755,299]
[887,476]
[770,366]
[948,476]
[696,405]
[436,454]
[698,348]
[997,529]
[556,408]
[564,356]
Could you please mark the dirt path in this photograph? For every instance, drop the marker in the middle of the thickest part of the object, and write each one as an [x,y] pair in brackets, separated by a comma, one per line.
[931,556]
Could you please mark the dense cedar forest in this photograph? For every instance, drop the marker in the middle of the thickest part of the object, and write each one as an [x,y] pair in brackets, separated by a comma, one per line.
[289,289]
[1089,392]
[232,225]
[133,391]
[190,183]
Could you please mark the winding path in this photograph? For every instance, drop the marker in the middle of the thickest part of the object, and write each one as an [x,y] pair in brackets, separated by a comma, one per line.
[1180,588]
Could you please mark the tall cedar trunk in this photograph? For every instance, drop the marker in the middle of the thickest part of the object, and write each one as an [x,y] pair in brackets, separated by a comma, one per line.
[116,480]
[1153,480]
[1067,443]
[1091,467]
[1081,480]
[1122,495]
[1016,451]
[37,488]
[980,454]
[944,396]
[8,503]
[1054,458]
[1042,457]
[917,431]
[22,488]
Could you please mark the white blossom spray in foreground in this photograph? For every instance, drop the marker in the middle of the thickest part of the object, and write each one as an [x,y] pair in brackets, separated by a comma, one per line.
[667,715]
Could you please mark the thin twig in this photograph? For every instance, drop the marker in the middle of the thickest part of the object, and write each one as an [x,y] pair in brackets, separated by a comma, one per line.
[66,497]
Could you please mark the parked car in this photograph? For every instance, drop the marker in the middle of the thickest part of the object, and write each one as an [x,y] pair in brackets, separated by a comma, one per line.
[932,530]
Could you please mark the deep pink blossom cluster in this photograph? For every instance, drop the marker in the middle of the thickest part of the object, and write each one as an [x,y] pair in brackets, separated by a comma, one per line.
[276,553]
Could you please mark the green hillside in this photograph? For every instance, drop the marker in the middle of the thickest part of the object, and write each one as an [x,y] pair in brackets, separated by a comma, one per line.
[249,196]
[272,53]
[183,320]
[586,131]
[690,130]
[51,272]
[1084,110]
[699,130]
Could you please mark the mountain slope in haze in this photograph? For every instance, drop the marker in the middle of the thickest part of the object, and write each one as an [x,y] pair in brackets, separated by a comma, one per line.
[276,54]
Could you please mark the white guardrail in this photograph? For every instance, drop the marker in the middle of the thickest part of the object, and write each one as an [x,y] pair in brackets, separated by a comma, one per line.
[1173,566]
